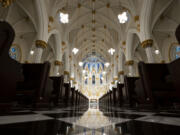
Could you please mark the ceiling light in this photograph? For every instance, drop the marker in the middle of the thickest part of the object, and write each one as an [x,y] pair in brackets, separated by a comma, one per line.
[31,52]
[80,64]
[84,71]
[123,18]
[75,50]
[104,72]
[111,51]
[107,64]
[156,51]
[64,18]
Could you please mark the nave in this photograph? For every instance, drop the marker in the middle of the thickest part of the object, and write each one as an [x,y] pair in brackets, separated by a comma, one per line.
[89,67]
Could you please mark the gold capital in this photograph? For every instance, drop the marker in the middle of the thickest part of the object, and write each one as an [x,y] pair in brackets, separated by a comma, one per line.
[6,3]
[129,62]
[121,73]
[41,44]
[147,43]
[58,63]
[66,73]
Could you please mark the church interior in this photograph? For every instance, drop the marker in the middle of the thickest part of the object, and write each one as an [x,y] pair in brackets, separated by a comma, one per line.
[90,67]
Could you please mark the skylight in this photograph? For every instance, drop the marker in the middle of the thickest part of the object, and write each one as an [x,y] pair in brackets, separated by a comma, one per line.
[123,18]
[80,64]
[111,51]
[75,50]
[64,18]
[107,64]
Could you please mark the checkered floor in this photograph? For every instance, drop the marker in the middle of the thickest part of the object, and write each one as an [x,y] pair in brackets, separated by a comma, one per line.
[84,121]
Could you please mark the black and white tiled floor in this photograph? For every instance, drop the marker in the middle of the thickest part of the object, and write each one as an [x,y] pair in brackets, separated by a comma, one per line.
[82,121]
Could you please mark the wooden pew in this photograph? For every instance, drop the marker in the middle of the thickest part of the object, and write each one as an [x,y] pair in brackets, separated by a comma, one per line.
[160,83]
[36,87]
[57,89]
[129,94]
[10,70]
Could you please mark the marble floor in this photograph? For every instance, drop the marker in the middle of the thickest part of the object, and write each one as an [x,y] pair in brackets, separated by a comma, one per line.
[84,120]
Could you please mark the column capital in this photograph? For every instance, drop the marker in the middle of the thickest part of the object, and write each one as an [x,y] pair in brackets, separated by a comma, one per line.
[121,73]
[71,78]
[6,3]
[41,44]
[129,63]
[66,73]
[58,63]
[115,78]
[147,43]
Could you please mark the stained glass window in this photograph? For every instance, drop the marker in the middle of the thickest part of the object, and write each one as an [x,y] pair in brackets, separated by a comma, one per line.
[14,53]
[177,52]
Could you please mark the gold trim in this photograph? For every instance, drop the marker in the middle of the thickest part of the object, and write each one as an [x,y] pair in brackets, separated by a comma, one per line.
[129,63]
[63,43]
[79,5]
[58,63]
[108,5]
[41,44]
[116,78]
[66,73]
[71,78]
[147,43]
[163,61]
[113,82]
[6,3]
[93,11]
[124,43]
[121,73]
[51,19]
[136,18]
[75,82]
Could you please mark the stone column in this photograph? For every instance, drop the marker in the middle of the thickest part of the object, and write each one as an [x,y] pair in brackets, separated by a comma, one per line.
[115,70]
[40,46]
[147,45]
[121,76]
[130,64]
[57,65]
[66,71]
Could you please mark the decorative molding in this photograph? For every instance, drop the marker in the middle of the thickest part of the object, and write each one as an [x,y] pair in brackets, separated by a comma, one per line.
[121,73]
[108,5]
[71,78]
[124,43]
[136,18]
[66,73]
[58,63]
[79,5]
[113,82]
[51,19]
[6,3]
[41,44]
[116,78]
[147,43]
[163,61]
[129,63]
[63,43]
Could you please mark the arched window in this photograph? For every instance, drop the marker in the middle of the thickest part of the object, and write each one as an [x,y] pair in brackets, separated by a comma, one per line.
[174,51]
[15,52]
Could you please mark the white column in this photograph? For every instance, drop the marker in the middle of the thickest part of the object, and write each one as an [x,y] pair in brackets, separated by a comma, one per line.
[147,45]
[40,46]
[66,71]
[130,64]
[115,70]
[57,65]
[120,68]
